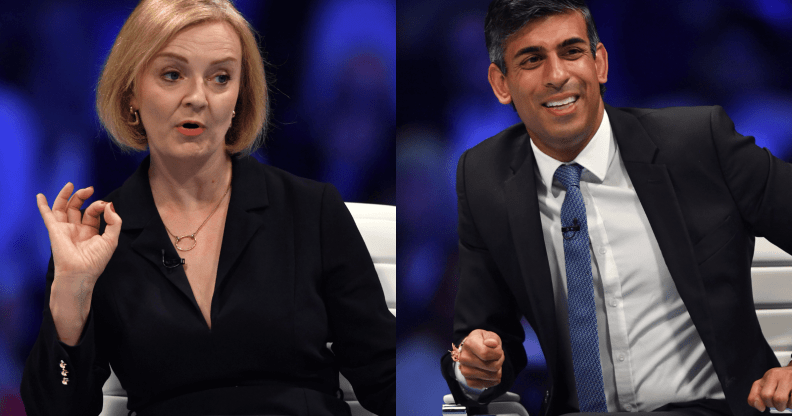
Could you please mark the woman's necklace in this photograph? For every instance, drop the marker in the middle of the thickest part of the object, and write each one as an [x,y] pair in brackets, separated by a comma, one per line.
[192,236]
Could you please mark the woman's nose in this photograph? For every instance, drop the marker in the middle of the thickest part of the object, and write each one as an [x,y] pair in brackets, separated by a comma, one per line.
[196,96]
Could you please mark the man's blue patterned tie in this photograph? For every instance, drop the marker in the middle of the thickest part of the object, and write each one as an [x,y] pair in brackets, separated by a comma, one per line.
[580,285]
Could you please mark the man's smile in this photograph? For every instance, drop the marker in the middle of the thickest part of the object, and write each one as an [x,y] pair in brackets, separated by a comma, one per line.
[561,106]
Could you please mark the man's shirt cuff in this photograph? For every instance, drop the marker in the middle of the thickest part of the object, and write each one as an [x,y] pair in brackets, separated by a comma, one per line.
[470,392]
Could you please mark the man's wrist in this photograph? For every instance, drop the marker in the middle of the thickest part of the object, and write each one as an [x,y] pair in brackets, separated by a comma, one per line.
[471,392]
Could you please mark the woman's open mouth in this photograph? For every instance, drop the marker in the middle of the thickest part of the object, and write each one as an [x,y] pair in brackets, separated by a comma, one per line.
[190,129]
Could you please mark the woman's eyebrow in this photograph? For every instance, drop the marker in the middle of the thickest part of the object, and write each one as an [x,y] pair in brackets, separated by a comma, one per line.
[171,55]
[178,57]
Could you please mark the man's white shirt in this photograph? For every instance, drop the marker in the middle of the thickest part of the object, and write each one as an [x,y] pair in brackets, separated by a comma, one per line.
[650,351]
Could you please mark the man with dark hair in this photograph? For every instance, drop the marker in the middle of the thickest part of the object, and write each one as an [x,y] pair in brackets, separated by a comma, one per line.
[624,236]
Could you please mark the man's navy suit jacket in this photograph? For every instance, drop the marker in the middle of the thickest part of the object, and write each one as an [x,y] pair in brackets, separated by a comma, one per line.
[706,190]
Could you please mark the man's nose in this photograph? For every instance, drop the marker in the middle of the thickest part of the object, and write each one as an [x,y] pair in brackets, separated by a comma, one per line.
[556,72]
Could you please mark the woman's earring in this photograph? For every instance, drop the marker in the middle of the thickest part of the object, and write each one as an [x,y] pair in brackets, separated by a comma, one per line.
[134,114]
[233,113]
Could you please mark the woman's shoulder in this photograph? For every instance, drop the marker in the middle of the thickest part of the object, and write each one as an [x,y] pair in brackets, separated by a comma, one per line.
[277,183]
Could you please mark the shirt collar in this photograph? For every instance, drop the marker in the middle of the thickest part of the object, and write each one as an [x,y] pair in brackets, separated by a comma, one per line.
[595,157]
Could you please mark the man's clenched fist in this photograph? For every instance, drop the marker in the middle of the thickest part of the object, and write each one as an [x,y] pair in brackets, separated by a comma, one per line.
[481,359]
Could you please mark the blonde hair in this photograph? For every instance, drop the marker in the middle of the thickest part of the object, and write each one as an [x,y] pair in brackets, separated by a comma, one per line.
[148,29]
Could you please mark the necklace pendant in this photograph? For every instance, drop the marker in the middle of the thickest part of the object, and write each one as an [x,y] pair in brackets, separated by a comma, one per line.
[191,236]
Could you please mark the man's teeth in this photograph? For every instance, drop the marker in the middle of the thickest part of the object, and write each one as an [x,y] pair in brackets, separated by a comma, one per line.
[562,102]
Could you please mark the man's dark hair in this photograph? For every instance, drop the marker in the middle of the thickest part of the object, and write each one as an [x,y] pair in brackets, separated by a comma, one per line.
[506,17]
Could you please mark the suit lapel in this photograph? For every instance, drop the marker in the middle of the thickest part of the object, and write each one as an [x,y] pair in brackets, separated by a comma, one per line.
[135,205]
[658,198]
[248,199]
[526,228]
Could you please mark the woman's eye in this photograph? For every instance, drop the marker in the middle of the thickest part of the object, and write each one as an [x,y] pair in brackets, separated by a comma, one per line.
[222,79]
[171,76]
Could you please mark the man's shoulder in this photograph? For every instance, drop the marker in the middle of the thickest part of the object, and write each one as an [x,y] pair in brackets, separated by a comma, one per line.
[499,149]
[665,118]
[690,111]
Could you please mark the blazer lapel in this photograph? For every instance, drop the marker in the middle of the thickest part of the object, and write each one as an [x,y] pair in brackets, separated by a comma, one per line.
[526,228]
[135,205]
[248,199]
[659,200]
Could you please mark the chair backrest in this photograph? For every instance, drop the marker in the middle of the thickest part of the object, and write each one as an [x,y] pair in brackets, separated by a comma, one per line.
[771,275]
[377,225]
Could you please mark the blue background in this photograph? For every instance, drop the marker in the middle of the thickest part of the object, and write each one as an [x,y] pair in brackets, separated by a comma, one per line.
[335,114]
[333,120]
[661,53]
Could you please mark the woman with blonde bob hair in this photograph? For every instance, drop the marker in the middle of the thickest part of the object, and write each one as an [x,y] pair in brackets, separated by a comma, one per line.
[211,283]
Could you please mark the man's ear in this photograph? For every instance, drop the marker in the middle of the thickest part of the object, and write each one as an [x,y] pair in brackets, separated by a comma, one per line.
[499,86]
[601,63]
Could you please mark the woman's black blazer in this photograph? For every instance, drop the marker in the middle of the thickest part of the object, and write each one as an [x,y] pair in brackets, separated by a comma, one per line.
[293,275]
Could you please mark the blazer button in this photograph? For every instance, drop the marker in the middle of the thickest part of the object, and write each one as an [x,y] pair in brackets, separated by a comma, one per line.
[64,372]
[547,396]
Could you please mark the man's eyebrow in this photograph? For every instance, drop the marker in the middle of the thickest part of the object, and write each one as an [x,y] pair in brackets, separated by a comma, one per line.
[531,49]
[570,41]
[183,59]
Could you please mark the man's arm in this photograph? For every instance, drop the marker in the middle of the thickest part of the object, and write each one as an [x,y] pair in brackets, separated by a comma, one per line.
[483,302]
[760,184]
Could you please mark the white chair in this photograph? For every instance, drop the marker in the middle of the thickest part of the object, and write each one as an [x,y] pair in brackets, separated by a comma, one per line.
[771,277]
[377,225]
[771,272]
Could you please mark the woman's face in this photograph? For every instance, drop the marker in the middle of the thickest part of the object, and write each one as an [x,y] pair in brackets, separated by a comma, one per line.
[188,91]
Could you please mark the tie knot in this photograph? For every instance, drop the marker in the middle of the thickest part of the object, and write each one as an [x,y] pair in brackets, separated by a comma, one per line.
[569,175]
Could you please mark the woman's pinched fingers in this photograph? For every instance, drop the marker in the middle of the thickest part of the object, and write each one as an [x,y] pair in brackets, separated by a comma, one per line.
[75,203]
[61,201]
[92,213]
[113,220]
[44,209]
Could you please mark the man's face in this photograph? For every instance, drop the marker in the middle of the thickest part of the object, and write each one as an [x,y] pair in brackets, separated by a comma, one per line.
[553,81]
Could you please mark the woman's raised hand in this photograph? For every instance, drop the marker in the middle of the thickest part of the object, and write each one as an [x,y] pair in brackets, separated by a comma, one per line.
[80,254]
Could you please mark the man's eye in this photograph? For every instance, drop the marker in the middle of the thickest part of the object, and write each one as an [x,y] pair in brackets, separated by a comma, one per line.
[575,51]
[222,79]
[171,76]
[531,60]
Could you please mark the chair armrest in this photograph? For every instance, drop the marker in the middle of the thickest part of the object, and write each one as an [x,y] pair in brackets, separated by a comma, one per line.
[508,404]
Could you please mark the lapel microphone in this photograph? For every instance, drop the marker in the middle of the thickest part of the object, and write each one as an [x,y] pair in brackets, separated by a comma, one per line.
[172,262]
[564,230]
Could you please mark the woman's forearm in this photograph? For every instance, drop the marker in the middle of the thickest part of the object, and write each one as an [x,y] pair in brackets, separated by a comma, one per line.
[70,302]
